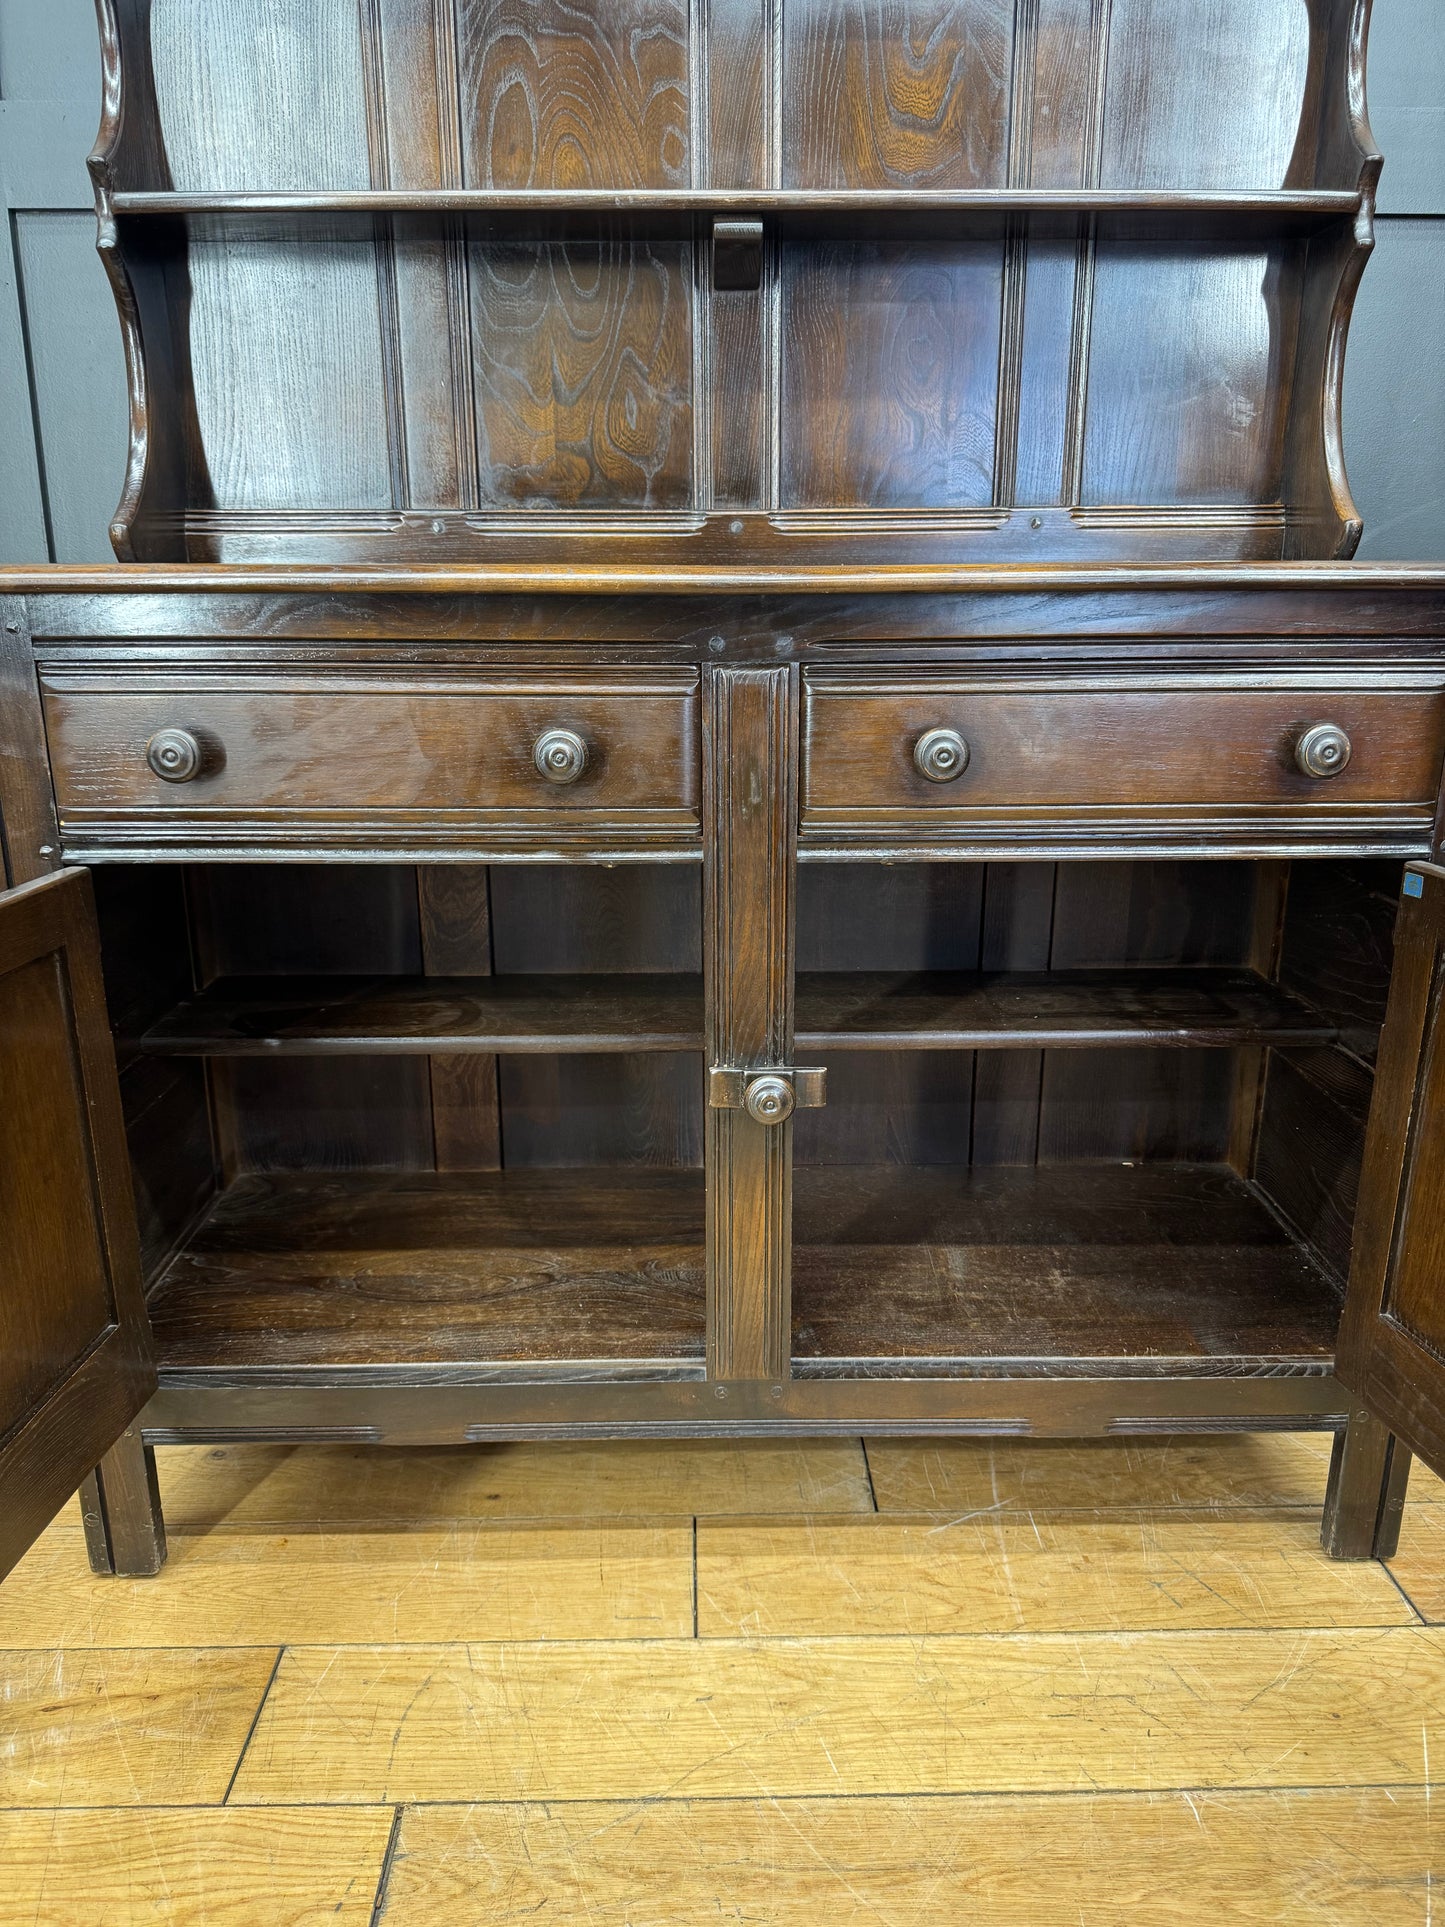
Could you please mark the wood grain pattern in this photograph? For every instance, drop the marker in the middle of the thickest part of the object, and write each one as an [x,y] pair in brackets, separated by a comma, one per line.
[889,375]
[267,1488]
[331,1114]
[1066,1263]
[1311,1143]
[258,1017]
[1230,110]
[917,93]
[750,775]
[1418,1567]
[29,834]
[485,1267]
[1112,1712]
[140,1728]
[1104,748]
[206,1869]
[1135,1105]
[1192,417]
[237,86]
[1212,1008]
[1338,948]
[285,360]
[900,1108]
[1167,1858]
[633,919]
[890,917]
[995,1574]
[1392,1331]
[306,920]
[75,1356]
[622,1110]
[455,917]
[953,1477]
[521,1581]
[583,372]
[568,96]
[343,743]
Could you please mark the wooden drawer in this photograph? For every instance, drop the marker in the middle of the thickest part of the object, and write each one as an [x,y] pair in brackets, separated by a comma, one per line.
[356,761]
[1120,764]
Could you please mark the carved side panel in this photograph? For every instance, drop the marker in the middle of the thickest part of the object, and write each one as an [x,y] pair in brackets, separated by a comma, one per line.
[750,764]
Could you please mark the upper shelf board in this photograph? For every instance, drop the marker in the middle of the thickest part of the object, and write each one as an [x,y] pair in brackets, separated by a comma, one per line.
[1314,202]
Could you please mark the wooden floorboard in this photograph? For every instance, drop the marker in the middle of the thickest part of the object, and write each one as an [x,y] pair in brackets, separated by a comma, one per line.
[719,1718]
[660,1683]
[519,1581]
[189,1867]
[144,1727]
[1035,1573]
[246,1488]
[1353,1859]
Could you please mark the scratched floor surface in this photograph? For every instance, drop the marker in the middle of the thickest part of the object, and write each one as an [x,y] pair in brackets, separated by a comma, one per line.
[666,1684]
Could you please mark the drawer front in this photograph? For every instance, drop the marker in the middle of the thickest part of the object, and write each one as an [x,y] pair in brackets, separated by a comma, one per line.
[1119,766]
[580,765]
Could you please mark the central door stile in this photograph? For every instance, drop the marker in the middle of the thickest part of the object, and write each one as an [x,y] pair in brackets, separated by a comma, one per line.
[750,763]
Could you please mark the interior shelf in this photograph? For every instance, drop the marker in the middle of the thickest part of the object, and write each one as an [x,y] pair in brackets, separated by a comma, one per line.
[486,1269]
[1074,1270]
[427,1016]
[333,1016]
[1066,1270]
[1006,1010]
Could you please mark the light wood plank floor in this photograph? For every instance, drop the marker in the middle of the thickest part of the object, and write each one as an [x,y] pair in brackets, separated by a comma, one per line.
[653,1685]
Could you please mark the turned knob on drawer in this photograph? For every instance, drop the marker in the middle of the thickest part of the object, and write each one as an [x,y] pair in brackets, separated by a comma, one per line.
[1323,750]
[940,755]
[174,755]
[560,755]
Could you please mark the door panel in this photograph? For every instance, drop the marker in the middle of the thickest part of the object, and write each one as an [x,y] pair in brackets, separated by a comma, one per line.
[75,1359]
[1392,1340]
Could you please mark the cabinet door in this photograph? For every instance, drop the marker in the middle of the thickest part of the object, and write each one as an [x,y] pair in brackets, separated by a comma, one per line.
[75,1356]
[1392,1340]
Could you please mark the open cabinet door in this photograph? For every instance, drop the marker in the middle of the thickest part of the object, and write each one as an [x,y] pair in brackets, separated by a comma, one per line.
[1392,1339]
[75,1355]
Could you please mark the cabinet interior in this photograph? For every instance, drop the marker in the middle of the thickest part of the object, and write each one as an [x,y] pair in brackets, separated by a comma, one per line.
[1092,1117]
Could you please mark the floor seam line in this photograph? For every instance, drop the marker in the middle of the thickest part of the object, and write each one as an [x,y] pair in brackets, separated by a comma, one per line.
[255,1722]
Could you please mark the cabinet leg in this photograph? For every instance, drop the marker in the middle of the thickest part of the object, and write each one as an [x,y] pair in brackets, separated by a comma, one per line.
[120,1503]
[1365,1498]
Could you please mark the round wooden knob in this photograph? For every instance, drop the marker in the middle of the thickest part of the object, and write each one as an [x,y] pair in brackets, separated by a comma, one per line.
[1323,751]
[940,755]
[174,755]
[560,755]
[769,1100]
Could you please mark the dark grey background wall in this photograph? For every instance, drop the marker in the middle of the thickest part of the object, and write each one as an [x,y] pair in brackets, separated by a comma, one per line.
[62,399]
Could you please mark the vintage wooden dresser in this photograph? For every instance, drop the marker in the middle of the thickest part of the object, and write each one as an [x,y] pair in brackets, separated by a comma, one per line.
[734,779]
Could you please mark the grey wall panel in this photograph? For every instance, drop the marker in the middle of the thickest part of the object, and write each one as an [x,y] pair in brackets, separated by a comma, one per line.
[1395,395]
[22,518]
[1407,103]
[78,379]
[49,49]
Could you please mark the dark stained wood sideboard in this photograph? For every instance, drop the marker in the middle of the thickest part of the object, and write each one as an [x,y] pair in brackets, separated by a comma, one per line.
[734,780]
[1060,905]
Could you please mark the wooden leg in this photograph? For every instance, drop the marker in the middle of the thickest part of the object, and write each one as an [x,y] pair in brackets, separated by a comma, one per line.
[120,1503]
[1365,1498]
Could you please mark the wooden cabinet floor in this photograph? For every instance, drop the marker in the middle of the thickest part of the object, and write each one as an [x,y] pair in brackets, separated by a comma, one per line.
[670,1682]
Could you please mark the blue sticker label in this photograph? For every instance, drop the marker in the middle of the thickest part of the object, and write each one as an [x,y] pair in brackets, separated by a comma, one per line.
[1414,884]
